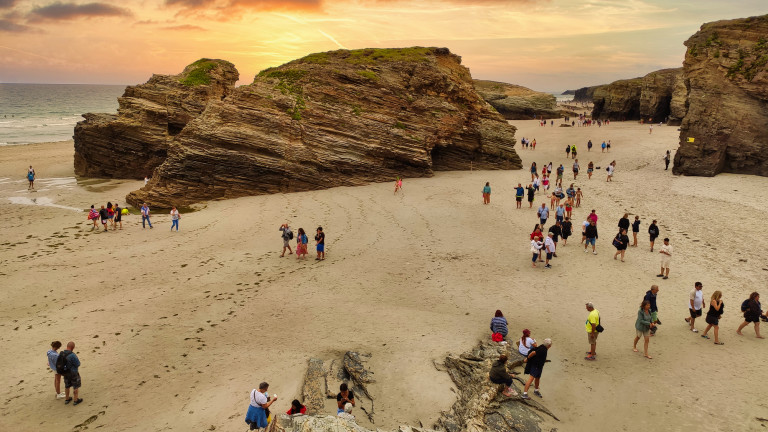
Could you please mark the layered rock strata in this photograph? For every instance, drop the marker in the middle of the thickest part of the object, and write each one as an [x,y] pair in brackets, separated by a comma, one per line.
[619,100]
[726,125]
[516,102]
[135,141]
[333,119]
[649,98]
[656,93]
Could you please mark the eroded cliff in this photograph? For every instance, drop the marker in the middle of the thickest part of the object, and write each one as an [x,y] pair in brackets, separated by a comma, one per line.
[726,125]
[333,119]
[516,102]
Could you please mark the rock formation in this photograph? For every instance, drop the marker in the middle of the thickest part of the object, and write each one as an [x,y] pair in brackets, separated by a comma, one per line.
[678,105]
[619,100]
[584,94]
[726,125]
[648,98]
[656,94]
[328,119]
[516,102]
[479,406]
[134,142]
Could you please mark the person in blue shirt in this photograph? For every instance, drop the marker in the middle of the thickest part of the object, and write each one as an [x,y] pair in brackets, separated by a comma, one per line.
[53,355]
[72,377]
[519,193]
[487,193]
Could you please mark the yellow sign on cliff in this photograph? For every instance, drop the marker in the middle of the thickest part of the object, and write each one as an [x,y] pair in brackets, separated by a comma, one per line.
[690,139]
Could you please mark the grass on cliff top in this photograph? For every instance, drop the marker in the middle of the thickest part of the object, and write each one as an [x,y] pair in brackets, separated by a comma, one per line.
[198,75]
[378,55]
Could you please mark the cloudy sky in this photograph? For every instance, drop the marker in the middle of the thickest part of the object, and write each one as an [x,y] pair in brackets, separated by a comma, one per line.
[546,44]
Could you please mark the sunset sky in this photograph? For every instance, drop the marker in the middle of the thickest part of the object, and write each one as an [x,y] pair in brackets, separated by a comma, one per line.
[548,45]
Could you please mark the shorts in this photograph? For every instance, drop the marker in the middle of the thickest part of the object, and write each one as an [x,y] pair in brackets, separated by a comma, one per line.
[592,338]
[535,371]
[643,333]
[285,243]
[665,262]
[653,238]
[111,216]
[559,218]
[118,218]
[549,255]
[590,241]
[72,380]
[519,199]
[530,198]
[543,221]
[750,319]
[590,170]
[712,319]
[696,313]
[321,247]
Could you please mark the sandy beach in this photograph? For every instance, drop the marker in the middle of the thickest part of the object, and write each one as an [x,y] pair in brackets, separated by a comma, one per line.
[174,329]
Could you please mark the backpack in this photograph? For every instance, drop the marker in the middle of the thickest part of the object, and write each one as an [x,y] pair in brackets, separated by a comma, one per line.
[289,233]
[745,305]
[62,368]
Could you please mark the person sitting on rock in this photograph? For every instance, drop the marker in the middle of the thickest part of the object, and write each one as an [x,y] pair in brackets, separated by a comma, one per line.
[499,325]
[499,375]
[345,396]
[346,413]
[296,408]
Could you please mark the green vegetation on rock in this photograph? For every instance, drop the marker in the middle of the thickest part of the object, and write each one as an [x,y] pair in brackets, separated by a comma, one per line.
[376,55]
[371,75]
[198,74]
[288,84]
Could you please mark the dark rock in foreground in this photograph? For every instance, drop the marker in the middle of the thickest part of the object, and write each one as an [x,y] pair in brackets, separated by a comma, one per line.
[334,119]
[134,142]
[516,102]
[726,126]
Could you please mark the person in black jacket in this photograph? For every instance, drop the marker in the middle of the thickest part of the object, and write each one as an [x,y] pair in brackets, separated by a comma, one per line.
[499,375]
[557,231]
[650,297]
[653,231]
[635,230]
[752,311]
[590,232]
[620,242]
[624,222]
[535,365]
[567,230]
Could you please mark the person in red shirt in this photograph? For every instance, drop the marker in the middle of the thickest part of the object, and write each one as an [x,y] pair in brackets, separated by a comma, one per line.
[592,217]
[296,408]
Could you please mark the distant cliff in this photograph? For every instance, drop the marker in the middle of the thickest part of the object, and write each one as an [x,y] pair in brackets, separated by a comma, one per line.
[619,100]
[584,94]
[516,102]
[726,124]
[134,142]
[648,98]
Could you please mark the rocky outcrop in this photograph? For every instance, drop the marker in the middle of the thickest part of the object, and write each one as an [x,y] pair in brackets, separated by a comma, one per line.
[656,94]
[726,125]
[619,100]
[334,119]
[678,105]
[516,102]
[134,142]
[584,94]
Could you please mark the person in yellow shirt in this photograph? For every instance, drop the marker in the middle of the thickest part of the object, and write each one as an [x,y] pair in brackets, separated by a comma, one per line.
[593,320]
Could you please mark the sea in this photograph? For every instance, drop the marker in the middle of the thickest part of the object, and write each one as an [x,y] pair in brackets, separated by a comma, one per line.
[34,113]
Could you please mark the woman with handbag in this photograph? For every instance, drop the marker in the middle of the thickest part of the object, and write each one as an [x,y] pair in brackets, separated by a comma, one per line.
[643,326]
[620,242]
[713,315]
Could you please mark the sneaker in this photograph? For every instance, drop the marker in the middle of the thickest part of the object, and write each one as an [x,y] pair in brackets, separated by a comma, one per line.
[61,396]
[658,322]
[585,251]
[538,393]
[589,358]
[695,330]
[547,266]
[525,396]
[594,252]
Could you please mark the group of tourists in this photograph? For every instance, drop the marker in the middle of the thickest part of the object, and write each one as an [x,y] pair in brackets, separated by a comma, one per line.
[65,364]
[259,416]
[111,216]
[286,233]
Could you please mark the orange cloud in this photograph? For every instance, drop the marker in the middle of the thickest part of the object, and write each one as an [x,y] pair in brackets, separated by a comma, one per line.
[69,11]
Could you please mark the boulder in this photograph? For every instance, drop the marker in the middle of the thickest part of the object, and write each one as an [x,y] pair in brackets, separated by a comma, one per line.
[515,102]
[656,94]
[313,390]
[134,142]
[338,118]
[726,124]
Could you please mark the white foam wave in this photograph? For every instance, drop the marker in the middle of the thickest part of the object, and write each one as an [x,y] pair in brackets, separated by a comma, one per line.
[40,201]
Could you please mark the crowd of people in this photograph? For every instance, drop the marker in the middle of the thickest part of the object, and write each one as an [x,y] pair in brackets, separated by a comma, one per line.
[286,233]
[111,216]
[258,415]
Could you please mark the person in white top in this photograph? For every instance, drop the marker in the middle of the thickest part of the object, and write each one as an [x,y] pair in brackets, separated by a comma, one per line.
[256,416]
[666,257]
[535,249]
[526,343]
[347,413]
[175,218]
[549,245]
[695,304]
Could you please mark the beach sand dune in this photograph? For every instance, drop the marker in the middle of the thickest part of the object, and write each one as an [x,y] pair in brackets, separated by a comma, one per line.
[174,329]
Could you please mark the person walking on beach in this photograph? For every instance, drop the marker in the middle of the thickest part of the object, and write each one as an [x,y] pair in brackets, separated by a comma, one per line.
[590,170]
[499,325]
[93,215]
[31,178]
[301,244]
[602,146]
[118,217]
[256,416]
[53,356]
[590,236]
[589,145]
[635,230]
[487,193]
[67,364]
[104,216]
[593,320]
[653,232]
[175,216]
[620,243]
[624,222]
[575,169]
[557,231]
[320,244]
[650,129]
[650,297]
[579,194]
[573,151]
[535,362]
[752,311]
[549,245]
[499,375]
[287,236]
[567,151]
[667,157]
[666,258]
[695,304]
[713,316]
[530,189]
[111,215]
[145,216]
[398,184]
[610,169]
[643,325]
[543,213]
[533,170]
[519,193]
[536,246]
[567,228]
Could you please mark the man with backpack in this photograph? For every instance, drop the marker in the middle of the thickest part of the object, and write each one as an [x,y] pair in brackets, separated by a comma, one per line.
[67,365]
[287,236]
